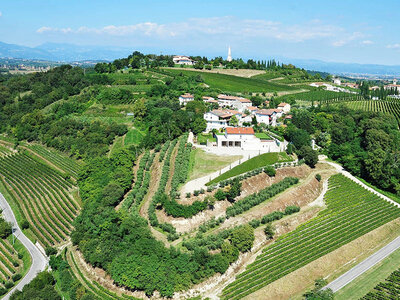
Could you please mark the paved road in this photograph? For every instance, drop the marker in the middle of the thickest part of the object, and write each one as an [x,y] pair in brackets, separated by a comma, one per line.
[39,260]
[375,258]
[365,265]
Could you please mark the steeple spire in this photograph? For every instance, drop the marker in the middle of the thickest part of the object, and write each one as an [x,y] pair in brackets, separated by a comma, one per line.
[229,58]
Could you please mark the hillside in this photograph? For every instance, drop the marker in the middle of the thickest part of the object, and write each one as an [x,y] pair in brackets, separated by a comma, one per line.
[122,187]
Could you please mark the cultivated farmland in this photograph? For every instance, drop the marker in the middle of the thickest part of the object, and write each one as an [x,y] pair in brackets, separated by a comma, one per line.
[351,212]
[234,83]
[42,196]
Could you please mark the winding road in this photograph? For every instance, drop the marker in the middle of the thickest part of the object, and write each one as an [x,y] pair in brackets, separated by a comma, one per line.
[39,260]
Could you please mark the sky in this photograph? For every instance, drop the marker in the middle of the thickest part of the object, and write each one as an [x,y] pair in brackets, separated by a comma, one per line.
[352,31]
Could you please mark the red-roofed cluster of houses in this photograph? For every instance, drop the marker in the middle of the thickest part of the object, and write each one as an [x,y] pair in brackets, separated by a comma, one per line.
[239,107]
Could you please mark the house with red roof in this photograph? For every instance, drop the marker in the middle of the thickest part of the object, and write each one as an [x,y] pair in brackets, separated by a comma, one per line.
[185,98]
[244,138]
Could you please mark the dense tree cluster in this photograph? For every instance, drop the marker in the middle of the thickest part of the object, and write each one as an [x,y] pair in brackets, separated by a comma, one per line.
[365,143]
[41,287]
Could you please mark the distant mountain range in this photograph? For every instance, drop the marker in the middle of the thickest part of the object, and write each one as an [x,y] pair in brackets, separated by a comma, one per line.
[74,53]
[344,68]
[63,52]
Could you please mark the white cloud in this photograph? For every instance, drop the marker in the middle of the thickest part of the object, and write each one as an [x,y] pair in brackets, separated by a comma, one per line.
[393,46]
[367,42]
[1,14]
[347,38]
[217,26]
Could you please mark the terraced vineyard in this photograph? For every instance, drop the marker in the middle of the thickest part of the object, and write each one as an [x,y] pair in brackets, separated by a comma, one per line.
[351,212]
[389,106]
[41,195]
[10,263]
[4,151]
[386,290]
[58,159]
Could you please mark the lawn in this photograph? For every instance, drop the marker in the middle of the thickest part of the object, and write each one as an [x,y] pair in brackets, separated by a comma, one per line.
[251,164]
[235,83]
[202,163]
[133,137]
[202,138]
[263,136]
[367,281]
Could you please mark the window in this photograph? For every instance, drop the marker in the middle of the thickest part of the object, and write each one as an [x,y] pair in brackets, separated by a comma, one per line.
[230,144]
[224,144]
[238,144]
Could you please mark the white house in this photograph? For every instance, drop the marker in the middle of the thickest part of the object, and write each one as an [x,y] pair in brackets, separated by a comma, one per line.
[337,81]
[219,119]
[210,100]
[241,104]
[226,100]
[244,138]
[267,116]
[183,60]
[285,107]
[185,98]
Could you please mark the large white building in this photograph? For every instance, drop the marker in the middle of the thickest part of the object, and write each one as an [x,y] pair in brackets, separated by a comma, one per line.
[183,60]
[244,138]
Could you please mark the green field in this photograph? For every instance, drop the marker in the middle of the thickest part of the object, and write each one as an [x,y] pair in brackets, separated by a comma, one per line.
[251,164]
[133,137]
[234,83]
[351,212]
[367,281]
[202,138]
[202,163]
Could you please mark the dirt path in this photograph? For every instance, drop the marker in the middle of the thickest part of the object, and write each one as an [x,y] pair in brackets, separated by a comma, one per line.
[155,174]
[171,168]
[134,170]
[301,195]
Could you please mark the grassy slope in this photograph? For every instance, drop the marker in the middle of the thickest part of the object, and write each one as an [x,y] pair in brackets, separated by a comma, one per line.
[234,83]
[251,164]
[133,137]
[202,163]
[366,282]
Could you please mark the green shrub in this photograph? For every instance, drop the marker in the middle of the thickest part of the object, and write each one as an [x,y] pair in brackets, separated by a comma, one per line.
[50,251]
[270,171]
[269,231]
[291,209]
[24,224]
[242,237]
[220,195]
[16,277]
[9,285]
[318,177]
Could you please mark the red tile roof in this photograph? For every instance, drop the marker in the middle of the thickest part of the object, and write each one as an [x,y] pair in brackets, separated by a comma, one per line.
[239,130]
[244,100]
[282,104]
[187,96]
